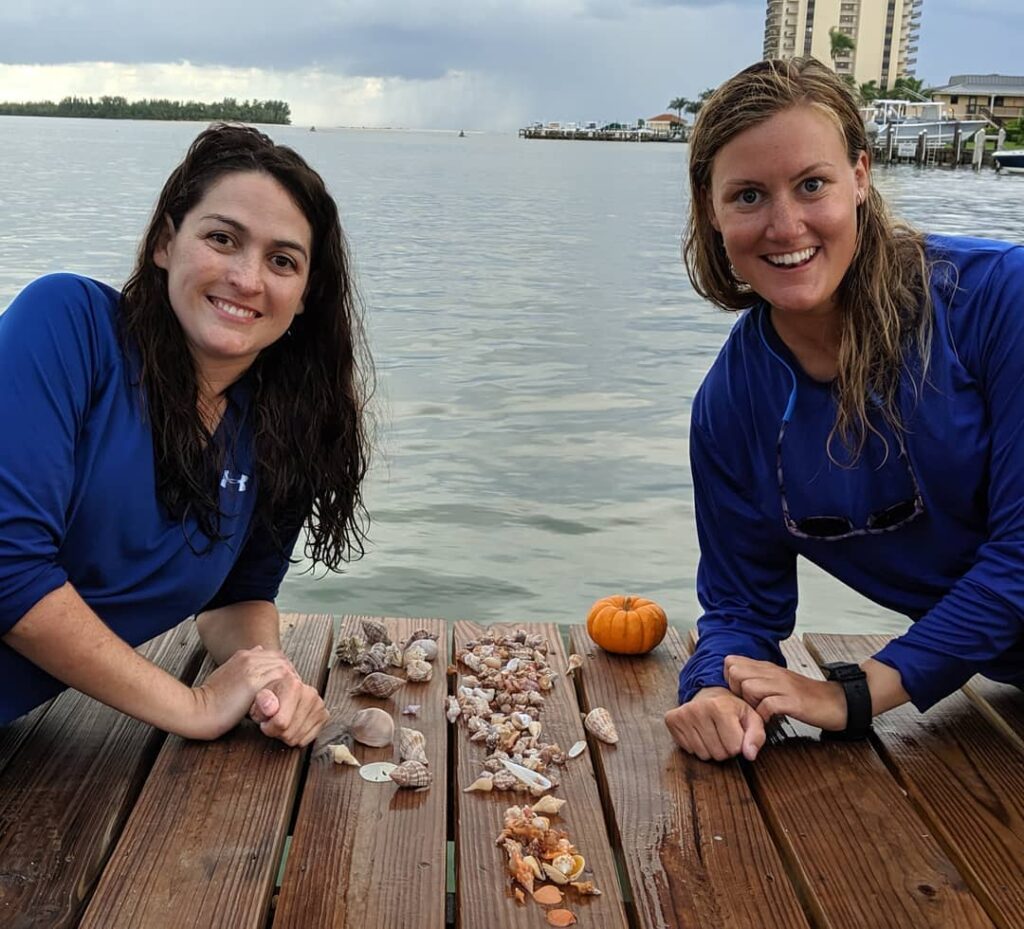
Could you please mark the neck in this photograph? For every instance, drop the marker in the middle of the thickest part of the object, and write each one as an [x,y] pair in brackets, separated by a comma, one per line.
[814,341]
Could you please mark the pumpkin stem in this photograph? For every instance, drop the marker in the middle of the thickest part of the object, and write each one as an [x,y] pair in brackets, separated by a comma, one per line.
[627,604]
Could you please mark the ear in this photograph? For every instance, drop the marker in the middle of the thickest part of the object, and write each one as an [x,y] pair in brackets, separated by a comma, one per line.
[862,177]
[161,253]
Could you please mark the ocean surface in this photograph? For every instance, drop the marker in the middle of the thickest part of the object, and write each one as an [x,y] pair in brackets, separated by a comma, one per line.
[537,346]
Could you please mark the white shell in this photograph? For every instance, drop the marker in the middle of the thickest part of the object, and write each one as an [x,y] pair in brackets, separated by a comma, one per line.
[340,754]
[373,726]
[599,721]
[418,670]
[484,784]
[548,805]
[412,745]
[377,773]
[578,748]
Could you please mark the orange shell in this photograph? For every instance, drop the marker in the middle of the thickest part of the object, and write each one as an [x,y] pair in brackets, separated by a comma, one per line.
[626,625]
[561,917]
[547,894]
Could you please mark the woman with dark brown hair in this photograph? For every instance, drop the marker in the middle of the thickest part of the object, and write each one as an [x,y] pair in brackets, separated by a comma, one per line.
[865,413]
[162,448]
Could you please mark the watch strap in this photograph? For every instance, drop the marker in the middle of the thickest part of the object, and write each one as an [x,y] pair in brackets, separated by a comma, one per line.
[858,700]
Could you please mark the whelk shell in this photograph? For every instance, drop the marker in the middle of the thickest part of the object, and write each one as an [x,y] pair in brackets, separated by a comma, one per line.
[349,648]
[548,805]
[412,775]
[375,632]
[379,685]
[483,784]
[575,661]
[340,754]
[599,721]
[373,727]
[412,745]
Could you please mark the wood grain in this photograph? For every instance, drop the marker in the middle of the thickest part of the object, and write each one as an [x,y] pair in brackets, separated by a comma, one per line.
[484,897]
[964,777]
[1002,703]
[202,846]
[363,855]
[68,791]
[858,852]
[696,850]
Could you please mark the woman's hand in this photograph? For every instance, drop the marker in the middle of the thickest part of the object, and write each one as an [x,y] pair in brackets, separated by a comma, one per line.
[289,710]
[716,724]
[225,697]
[775,691]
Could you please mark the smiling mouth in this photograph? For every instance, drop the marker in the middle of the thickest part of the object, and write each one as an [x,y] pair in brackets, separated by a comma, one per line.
[792,259]
[233,309]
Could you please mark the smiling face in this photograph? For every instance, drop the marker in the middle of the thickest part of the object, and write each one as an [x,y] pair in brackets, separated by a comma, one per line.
[784,198]
[237,268]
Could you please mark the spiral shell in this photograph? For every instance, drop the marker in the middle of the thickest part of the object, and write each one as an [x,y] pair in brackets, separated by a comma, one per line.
[375,632]
[412,775]
[349,648]
[575,661]
[418,670]
[483,784]
[599,721]
[379,685]
[373,727]
[412,745]
[375,658]
[548,805]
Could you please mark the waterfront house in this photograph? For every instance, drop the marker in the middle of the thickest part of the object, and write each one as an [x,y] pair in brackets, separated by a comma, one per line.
[998,97]
[665,124]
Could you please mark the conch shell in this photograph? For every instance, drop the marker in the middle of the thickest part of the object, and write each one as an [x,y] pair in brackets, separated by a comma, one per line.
[411,775]
[599,722]
[373,727]
[412,745]
[379,685]
[483,784]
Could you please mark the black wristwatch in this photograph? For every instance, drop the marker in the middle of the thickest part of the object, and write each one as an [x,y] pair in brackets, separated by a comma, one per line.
[858,700]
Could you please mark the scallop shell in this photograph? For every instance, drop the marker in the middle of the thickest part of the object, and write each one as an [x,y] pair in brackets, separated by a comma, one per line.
[412,745]
[379,685]
[483,784]
[599,721]
[373,727]
[418,670]
[412,775]
[375,632]
[340,754]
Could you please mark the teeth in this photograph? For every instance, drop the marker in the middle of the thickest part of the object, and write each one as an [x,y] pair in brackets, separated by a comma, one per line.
[233,310]
[793,258]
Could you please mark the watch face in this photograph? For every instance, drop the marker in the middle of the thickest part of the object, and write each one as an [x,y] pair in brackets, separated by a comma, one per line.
[842,671]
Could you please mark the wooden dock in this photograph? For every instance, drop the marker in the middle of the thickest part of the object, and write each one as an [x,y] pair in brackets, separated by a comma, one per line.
[597,135]
[107,823]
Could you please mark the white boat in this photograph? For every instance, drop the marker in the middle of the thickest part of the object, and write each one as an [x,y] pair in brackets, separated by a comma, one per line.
[907,119]
[1011,160]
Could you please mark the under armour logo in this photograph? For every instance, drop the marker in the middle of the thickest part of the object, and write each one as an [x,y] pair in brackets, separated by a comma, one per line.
[238,482]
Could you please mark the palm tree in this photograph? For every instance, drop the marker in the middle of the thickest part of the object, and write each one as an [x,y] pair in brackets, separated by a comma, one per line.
[840,43]
[693,107]
[908,88]
[868,92]
[678,104]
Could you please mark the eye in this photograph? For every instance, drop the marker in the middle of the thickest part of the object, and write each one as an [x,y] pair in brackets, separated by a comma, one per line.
[221,238]
[284,263]
[813,185]
[748,196]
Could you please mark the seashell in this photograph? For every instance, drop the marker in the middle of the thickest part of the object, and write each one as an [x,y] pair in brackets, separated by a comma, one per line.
[505,780]
[548,895]
[534,865]
[373,727]
[517,892]
[349,649]
[575,661]
[412,775]
[421,635]
[548,804]
[379,685]
[586,888]
[412,745]
[560,918]
[373,659]
[578,748]
[483,784]
[599,721]
[395,656]
[340,754]
[452,709]
[415,653]
[412,709]
[375,632]
[534,729]
[418,670]
[553,874]
[429,649]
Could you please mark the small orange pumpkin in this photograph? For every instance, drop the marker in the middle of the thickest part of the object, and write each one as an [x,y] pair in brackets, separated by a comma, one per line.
[626,625]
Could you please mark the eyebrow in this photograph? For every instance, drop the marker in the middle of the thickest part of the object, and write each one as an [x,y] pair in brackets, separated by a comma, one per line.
[235,224]
[801,173]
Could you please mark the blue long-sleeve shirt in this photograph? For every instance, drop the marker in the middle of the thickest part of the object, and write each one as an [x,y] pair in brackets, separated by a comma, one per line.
[957,570]
[78,500]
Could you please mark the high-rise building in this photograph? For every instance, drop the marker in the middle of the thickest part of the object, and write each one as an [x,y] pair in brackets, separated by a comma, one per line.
[884,34]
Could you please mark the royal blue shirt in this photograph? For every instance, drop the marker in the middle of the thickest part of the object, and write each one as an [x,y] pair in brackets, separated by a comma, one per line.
[78,499]
[957,570]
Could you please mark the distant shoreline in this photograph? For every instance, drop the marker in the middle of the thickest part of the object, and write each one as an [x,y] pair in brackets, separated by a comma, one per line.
[274,112]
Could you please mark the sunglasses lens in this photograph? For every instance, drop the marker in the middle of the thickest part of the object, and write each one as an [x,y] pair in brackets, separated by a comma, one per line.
[825,527]
[891,516]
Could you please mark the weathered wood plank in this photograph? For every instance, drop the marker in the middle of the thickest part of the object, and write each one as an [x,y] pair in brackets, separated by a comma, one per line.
[965,778]
[858,852]
[484,898]
[1003,703]
[371,856]
[202,846]
[69,790]
[14,734]
[696,851]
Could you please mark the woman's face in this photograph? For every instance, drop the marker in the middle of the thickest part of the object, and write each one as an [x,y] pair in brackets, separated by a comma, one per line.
[237,268]
[784,197]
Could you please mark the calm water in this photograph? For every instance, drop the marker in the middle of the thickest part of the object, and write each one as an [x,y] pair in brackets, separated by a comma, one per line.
[536,339]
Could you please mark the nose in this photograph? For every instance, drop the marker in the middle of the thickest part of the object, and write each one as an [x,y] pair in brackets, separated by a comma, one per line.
[786,219]
[245,273]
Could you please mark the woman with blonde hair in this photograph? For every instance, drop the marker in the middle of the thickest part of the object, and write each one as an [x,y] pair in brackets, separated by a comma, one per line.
[865,413]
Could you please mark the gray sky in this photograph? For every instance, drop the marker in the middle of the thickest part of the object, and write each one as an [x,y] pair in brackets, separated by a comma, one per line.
[475,64]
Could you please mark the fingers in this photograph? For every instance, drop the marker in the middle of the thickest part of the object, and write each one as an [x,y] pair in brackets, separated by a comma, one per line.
[753,734]
[301,715]
[709,725]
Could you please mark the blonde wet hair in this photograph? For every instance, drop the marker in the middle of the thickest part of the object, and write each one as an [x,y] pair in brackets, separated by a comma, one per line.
[883,298]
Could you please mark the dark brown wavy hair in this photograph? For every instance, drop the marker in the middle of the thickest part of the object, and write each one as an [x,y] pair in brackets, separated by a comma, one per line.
[883,298]
[309,389]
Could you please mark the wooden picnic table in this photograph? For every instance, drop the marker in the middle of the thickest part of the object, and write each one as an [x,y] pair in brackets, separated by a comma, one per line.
[107,823]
